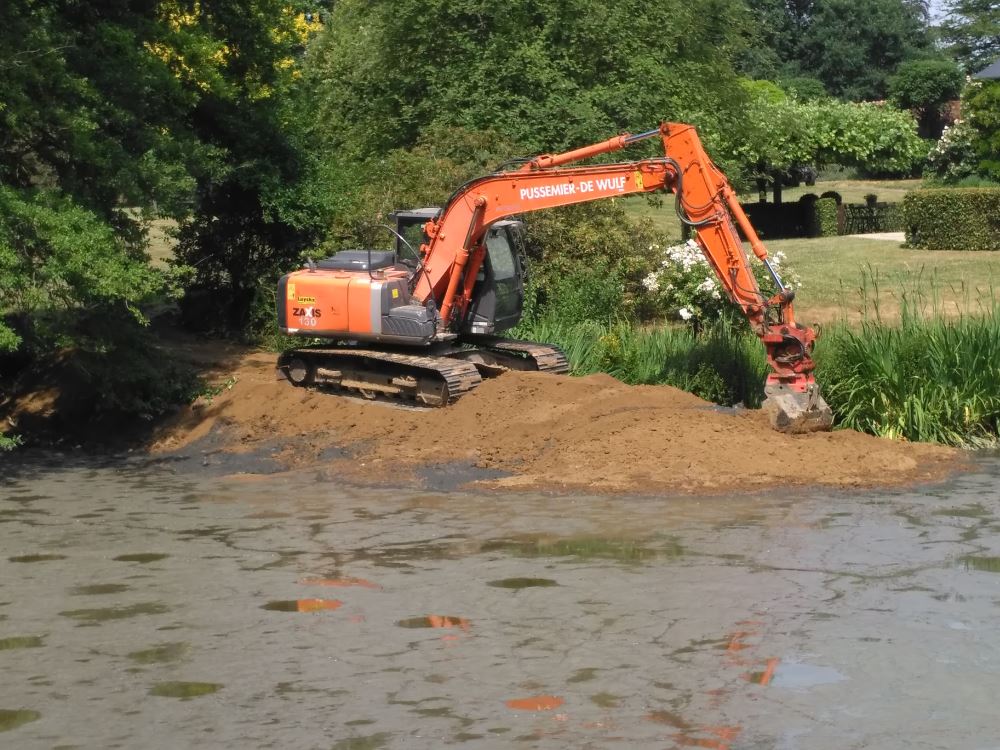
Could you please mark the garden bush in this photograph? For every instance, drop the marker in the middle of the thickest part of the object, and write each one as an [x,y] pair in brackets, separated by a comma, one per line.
[684,286]
[953,218]
[826,224]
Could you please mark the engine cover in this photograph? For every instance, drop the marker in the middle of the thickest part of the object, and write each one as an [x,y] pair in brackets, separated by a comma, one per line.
[353,305]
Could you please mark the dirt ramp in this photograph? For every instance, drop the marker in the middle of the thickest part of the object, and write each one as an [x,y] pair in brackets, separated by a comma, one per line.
[547,431]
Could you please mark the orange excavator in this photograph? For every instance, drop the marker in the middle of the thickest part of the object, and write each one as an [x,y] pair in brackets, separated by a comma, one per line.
[423,321]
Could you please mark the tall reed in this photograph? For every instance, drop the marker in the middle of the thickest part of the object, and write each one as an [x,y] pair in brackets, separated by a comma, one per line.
[719,364]
[932,375]
[931,379]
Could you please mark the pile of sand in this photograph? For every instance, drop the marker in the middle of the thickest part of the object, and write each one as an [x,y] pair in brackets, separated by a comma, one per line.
[548,431]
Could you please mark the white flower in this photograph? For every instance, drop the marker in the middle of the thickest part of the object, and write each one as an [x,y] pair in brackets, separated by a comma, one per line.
[707,286]
[685,313]
[651,282]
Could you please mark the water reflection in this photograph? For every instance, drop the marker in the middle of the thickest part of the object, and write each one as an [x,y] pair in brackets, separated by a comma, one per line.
[303,605]
[522,583]
[12,719]
[184,690]
[25,641]
[436,621]
[719,623]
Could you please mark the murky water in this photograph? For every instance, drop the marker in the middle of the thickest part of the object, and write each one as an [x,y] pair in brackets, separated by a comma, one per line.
[144,607]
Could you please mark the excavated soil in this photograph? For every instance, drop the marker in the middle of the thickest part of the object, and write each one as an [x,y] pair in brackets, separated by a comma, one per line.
[538,431]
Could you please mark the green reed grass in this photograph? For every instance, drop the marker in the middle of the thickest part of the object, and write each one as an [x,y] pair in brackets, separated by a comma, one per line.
[718,364]
[930,375]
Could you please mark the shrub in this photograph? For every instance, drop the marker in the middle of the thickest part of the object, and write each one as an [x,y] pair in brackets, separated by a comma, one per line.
[587,292]
[683,284]
[780,220]
[826,217]
[953,157]
[953,218]
[872,217]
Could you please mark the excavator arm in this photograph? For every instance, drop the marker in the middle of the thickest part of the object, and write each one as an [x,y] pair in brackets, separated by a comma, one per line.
[454,252]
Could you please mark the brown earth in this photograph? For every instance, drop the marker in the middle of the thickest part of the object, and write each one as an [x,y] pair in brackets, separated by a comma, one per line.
[545,432]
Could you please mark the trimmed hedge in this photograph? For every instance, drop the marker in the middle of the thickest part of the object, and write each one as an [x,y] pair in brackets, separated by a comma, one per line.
[953,218]
[809,216]
[826,217]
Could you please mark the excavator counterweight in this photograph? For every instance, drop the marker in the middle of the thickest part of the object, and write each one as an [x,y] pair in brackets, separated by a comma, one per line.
[456,281]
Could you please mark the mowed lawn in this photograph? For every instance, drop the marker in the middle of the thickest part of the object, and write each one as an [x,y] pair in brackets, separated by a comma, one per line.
[844,277]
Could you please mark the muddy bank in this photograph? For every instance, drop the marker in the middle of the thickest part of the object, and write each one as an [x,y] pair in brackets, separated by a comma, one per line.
[530,430]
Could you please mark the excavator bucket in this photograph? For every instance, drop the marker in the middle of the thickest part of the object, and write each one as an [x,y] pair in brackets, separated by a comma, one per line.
[794,411]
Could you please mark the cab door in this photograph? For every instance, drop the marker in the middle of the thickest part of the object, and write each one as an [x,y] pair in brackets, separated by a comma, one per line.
[498,296]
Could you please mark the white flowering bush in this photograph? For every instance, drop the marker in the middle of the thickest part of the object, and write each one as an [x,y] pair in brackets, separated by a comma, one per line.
[953,157]
[683,284]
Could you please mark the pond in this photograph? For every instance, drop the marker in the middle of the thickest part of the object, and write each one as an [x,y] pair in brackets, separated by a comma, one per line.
[146,604]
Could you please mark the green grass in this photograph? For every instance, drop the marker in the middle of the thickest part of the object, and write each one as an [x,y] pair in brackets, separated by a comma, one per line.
[719,365]
[845,277]
[927,378]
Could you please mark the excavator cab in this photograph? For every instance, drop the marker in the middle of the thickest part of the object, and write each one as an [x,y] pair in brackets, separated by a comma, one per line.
[498,296]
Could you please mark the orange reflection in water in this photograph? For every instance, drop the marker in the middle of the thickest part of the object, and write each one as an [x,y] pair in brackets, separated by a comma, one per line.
[765,677]
[436,621]
[722,739]
[441,621]
[317,605]
[535,703]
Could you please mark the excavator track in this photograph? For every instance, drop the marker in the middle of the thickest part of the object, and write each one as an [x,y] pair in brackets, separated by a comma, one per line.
[543,357]
[431,381]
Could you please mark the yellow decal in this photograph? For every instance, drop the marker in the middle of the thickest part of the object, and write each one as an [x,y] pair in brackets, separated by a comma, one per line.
[307,300]
[638,180]
[395,294]
[291,292]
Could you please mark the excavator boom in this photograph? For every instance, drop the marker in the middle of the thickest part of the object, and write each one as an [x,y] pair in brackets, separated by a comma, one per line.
[371,304]
[706,202]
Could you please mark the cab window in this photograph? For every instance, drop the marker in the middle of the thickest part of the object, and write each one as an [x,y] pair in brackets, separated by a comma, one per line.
[501,256]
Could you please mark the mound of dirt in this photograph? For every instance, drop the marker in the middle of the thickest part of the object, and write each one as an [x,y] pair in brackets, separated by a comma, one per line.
[543,431]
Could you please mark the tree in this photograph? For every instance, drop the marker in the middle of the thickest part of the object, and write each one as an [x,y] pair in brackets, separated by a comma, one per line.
[850,47]
[879,139]
[114,113]
[926,86]
[547,74]
[853,47]
[972,32]
[982,112]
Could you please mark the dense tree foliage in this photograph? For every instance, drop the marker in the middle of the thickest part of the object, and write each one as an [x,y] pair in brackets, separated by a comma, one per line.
[851,47]
[982,112]
[925,87]
[972,31]
[546,74]
[785,132]
[118,112]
